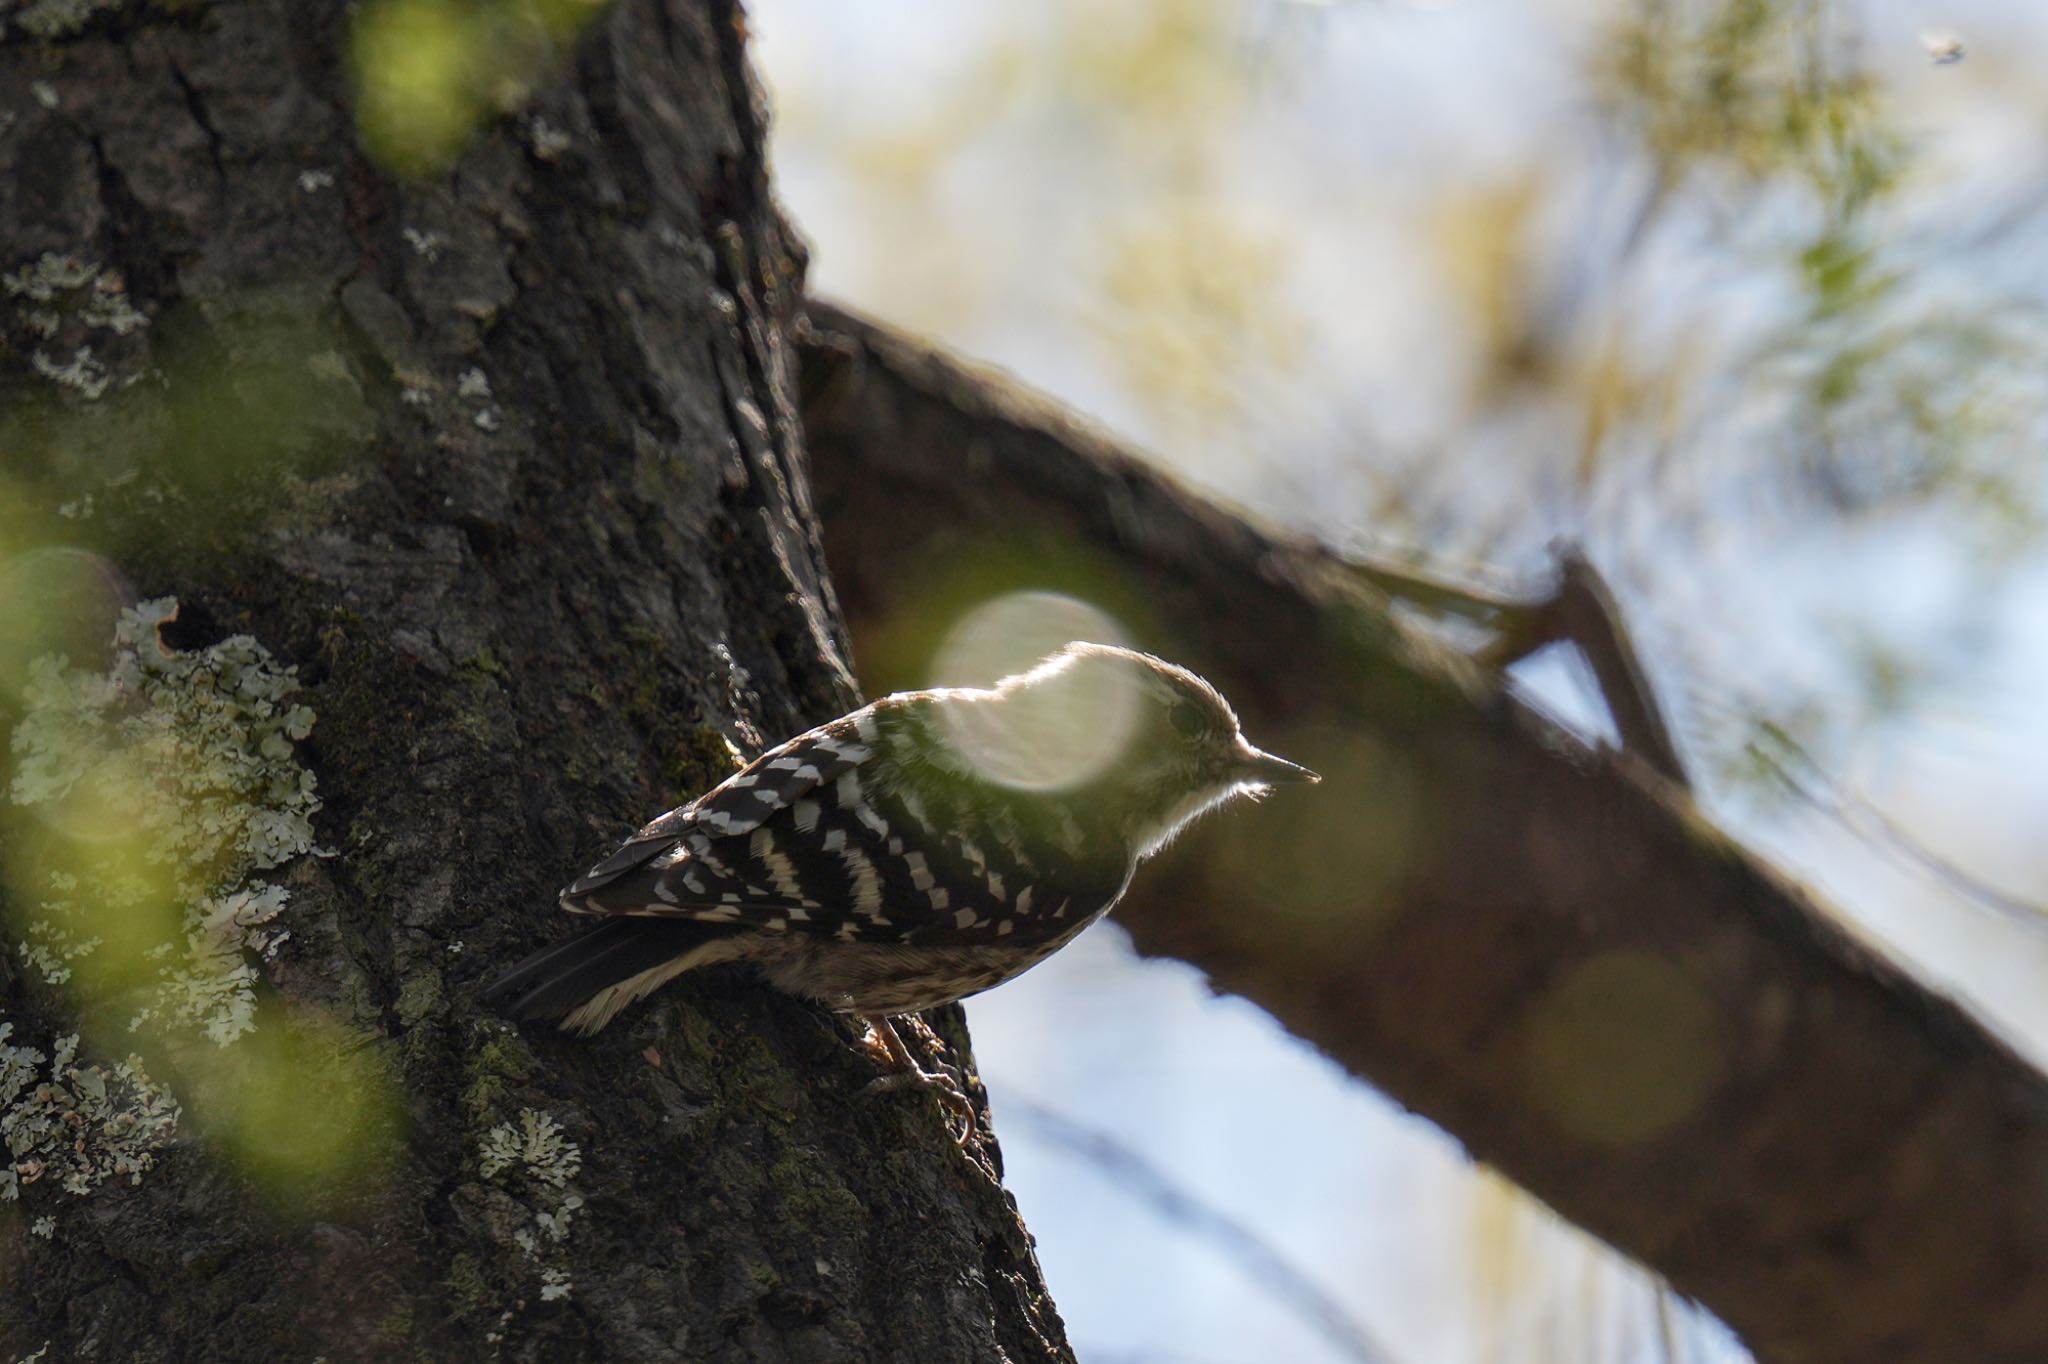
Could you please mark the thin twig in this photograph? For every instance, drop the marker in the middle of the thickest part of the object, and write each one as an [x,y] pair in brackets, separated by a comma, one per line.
[1260,1262]
[1865,821]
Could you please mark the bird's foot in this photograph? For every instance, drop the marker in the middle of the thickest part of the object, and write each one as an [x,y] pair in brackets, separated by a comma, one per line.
[883,1043]
[959,1108]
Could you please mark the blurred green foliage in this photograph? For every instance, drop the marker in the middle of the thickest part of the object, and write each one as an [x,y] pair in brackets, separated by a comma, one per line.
[429,71]
[1709,292]
[1756,91]
[155,793]
[210,409]
[306,1108]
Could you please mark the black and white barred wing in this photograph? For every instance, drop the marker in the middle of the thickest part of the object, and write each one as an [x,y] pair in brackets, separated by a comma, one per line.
[671,866]
[845,832]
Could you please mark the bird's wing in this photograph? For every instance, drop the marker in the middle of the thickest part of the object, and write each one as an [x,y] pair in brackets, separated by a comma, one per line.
[818,837]
[737,805]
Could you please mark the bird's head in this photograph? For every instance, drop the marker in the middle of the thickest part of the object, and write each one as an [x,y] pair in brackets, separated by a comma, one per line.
[1167,745]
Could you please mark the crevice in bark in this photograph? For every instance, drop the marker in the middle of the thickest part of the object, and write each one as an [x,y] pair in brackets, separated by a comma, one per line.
[195,104]
[131,246]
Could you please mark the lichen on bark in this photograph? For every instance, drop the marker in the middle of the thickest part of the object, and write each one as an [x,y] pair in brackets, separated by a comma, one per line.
[171,781]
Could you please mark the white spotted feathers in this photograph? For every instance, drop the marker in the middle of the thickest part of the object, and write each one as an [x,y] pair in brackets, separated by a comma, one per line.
[834,833]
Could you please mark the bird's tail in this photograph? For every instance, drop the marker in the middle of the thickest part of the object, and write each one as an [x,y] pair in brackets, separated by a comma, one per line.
[585,979]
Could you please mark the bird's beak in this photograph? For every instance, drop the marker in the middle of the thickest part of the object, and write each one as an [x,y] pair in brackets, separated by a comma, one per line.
[1268,770]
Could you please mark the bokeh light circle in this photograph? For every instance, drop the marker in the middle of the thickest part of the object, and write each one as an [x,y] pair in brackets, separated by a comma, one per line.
[1057,737]
[54,599]
[1624,1047]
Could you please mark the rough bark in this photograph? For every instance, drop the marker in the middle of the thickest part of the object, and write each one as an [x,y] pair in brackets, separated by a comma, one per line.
[1542,948]
[526,622]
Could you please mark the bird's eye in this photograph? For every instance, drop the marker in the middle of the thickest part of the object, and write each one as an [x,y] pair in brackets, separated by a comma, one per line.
[1186,719]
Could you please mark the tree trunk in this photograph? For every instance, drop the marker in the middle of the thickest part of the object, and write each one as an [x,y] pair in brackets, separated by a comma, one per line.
[503,460]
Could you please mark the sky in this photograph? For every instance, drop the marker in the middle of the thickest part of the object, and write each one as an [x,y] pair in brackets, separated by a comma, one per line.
[1298,217]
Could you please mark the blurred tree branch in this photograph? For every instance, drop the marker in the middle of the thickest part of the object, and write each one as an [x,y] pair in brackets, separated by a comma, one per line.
[1543,948]
[1578,609]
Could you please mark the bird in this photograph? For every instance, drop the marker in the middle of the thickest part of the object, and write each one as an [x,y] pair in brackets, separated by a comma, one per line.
[923,848]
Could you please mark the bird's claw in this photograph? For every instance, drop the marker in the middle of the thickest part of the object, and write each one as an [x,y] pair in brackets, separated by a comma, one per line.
[886,1046]
[943,1088]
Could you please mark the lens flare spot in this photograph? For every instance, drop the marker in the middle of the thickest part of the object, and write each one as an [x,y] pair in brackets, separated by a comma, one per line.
[304,1107]
[1056,737]
[416,66]
[1330,866]
[55,599]
[112,798]
[429,71]
[1623,1047]
[111,896]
